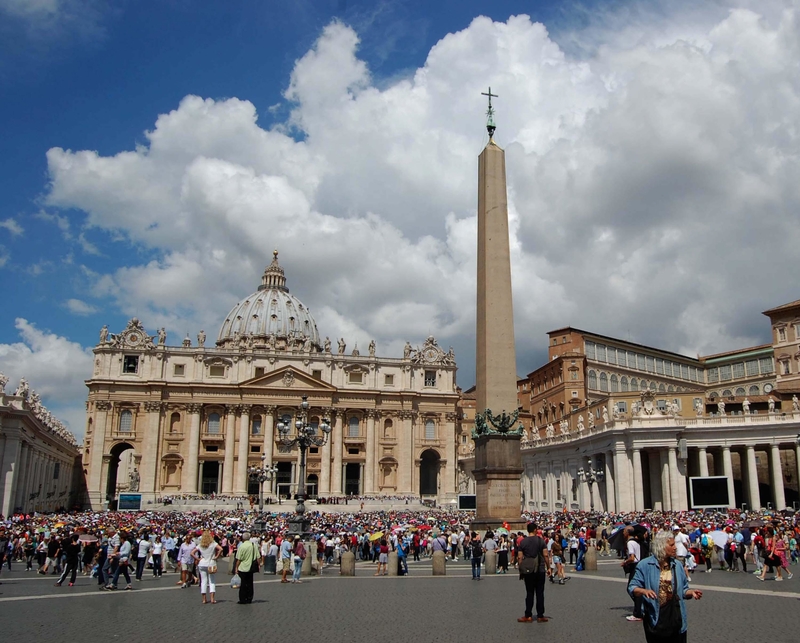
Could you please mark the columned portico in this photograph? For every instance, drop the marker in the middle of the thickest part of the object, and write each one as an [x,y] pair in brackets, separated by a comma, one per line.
[778,496]
[753,493]
[638,481]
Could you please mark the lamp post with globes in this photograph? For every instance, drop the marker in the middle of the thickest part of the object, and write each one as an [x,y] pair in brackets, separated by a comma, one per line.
[261,475]
[305,436]
[590,477]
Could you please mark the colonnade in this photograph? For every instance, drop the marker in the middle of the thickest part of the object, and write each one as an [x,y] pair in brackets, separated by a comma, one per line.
[639,476]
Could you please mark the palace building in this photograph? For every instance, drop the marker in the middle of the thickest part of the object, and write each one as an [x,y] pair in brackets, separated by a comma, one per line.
[190,419]
[649,419]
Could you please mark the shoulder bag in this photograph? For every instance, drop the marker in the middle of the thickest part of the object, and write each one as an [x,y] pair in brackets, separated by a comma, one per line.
[532,564]
[669,616]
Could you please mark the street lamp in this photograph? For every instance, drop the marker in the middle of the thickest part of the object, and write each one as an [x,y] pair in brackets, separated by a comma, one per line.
[590,477]
[261,475]
[305,436]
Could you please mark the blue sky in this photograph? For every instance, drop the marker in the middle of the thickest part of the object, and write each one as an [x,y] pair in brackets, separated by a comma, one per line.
[153,155]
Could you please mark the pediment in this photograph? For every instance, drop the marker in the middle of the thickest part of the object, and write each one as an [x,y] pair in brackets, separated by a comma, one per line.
[287,377]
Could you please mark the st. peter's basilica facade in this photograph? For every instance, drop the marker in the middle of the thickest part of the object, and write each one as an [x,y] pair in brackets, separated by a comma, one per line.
[191,419]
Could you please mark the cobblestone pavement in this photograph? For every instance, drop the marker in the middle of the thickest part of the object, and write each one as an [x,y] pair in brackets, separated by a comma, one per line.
[419,607]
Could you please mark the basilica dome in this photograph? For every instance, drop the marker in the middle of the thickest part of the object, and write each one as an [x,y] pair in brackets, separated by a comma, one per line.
[270,317]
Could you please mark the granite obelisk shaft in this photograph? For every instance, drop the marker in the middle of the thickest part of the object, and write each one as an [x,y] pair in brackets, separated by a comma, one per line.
[498,460]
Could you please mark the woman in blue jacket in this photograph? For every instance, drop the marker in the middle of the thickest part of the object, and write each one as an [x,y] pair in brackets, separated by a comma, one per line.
[662,585]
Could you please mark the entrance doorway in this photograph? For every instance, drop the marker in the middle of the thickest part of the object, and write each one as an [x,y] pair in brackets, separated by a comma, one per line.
[283,479]
[429,473]
[352,479]
[112,484]
[312,485]
[210,477]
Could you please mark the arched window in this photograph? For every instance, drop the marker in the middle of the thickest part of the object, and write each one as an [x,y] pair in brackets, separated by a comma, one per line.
[255,426]
[388,429]
[603,382]
[727,393]
[740,392]
[670,389]
[430,429]
[623,383]
[754,390]
[175,423]
[634,384]
[662,388]
[614,384]
[125,421]
[213,423]
[352,426]
[592,381]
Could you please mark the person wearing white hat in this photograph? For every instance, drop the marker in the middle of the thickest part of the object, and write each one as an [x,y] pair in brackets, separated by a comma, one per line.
[682,544]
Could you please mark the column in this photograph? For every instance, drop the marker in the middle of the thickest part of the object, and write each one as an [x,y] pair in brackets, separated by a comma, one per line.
[189,484]
[611,501]
[625,501]
[152,437]
[361,480]
[198,481]
[28,482]
[674,482]
[325,477]
[368,481]
[230,442]
[240,488]
[778,495]
[269,433]
[797,464]
[654,462]
[449,485]
[20,490]
[727,471]
[8,473]
[683,493]
[100,430]
[638,481]
[293,486]
[336,483]
[703,461]
[753,494]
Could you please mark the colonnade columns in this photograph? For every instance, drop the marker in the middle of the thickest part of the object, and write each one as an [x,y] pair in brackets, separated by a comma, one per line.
[20,475]
[100,430]
[674,493]
[336,481]
[683,494]
[623,483]
[269,434]
[778,495]
[753,494]
[189,483]
[638,482]
[8,469]
[656,495]
[368,480]
[727,471]
[611,500]
[325,477]
[702,457]
[147,476]
[240,483]
[230,441]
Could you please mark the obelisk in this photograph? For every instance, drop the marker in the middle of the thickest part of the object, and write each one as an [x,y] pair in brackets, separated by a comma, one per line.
[498,460]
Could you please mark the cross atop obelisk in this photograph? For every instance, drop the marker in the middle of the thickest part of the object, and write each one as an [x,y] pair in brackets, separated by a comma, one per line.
[490,126]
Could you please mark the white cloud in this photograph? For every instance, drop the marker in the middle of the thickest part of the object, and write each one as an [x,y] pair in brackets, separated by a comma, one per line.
[4,256]
[79,307]
[43,19]
[652,182]
[54,366]
[12,226]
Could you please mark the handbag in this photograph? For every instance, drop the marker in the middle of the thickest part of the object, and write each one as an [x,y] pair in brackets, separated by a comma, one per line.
[212,568]
[670,619]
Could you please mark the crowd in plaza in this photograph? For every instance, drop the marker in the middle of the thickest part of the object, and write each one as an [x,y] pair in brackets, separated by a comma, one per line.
[110,545]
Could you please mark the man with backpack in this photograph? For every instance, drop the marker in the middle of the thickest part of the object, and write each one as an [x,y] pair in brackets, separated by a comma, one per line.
[533,559]
[475,549]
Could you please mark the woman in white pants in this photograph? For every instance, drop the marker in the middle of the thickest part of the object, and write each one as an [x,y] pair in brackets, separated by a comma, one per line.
[206,556]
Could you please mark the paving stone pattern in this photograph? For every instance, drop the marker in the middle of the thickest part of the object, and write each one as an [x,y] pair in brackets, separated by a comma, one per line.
[418,608]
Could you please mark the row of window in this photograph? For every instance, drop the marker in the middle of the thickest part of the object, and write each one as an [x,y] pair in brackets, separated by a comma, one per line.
[130,365]
[616,384]
[739,370]
[782,333]
[642,362]
[214,425]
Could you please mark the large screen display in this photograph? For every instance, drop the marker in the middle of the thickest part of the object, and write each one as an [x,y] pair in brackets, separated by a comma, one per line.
[709,492]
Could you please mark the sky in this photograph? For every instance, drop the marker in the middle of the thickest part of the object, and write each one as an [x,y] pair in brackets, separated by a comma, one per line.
[153,154]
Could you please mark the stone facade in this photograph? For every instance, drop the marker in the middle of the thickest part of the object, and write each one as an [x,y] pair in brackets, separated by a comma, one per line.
[196,416]
[650,419]
[38,456]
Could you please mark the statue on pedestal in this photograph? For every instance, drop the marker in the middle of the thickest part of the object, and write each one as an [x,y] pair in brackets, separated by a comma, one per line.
[746,406]
[162,336]
[201,338]
[372,348]
[133,483]
[104,334]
